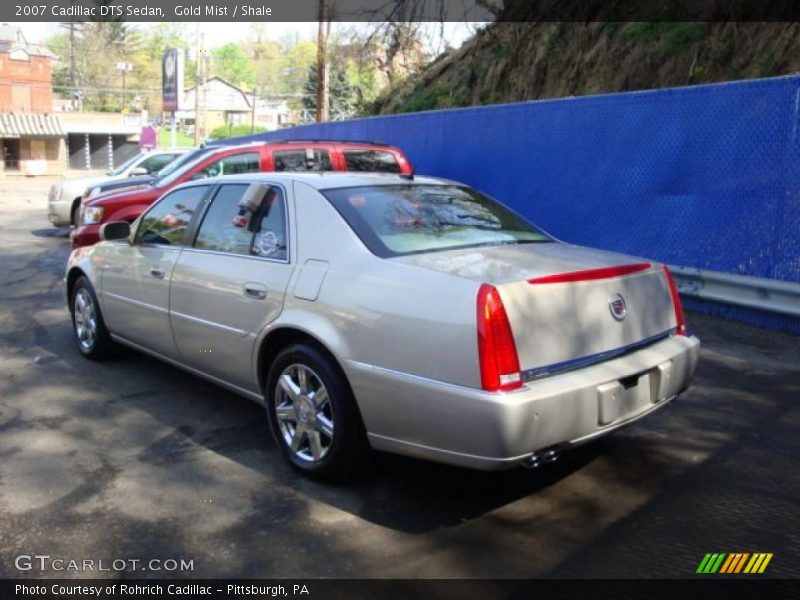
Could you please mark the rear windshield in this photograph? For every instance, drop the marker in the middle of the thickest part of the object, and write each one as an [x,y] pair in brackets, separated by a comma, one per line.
[407,219]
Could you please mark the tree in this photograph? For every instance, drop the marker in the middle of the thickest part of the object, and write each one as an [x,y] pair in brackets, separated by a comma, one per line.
[296,61]
[99,82]
[322,100]
[342,95]
[230,62]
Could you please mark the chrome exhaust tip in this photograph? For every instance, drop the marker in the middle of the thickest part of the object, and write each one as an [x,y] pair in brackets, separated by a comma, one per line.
[548,456]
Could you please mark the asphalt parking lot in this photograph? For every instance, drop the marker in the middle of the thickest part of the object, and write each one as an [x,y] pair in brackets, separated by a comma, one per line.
[136,459]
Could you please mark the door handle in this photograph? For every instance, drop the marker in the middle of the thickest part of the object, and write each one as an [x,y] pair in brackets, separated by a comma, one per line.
[255,290]
[156,272]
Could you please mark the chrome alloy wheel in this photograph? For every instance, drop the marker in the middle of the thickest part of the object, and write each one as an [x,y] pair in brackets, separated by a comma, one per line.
[85,319]
[304,413]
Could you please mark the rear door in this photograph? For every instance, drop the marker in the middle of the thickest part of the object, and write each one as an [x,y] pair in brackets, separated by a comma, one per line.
[136,277]
[229,284]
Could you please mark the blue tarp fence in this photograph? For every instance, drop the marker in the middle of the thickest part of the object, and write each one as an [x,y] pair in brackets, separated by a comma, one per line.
[703,176]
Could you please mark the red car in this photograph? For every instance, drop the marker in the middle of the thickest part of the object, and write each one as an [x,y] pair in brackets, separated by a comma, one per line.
[128,204]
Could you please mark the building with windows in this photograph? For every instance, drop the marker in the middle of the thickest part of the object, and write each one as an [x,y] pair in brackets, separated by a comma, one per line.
[224,104]
[98,140]
[221,103]
[31,137]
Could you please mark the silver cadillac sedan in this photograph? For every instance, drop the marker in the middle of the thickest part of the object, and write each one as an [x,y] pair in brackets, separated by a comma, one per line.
[405,314]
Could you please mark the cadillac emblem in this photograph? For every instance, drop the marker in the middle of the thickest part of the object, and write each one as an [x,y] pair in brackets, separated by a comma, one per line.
[616,304]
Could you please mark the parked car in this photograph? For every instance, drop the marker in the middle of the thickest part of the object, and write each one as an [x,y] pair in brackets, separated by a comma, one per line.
[64,197]
[127,205]
[93,191]
[410,315]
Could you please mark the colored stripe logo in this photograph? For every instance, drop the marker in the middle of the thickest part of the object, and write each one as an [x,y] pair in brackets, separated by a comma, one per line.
[734,563]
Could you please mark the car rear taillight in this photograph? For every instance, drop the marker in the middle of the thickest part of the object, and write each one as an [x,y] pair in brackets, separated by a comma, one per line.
[676,303]
[497,352]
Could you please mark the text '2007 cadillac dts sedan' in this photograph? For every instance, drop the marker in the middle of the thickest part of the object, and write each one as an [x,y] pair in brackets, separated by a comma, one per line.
[411,315]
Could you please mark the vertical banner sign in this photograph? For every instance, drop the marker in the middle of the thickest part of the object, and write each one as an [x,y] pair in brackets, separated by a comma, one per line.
[172,80]
[148,138]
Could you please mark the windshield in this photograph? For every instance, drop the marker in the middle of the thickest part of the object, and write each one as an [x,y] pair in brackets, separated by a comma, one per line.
[407,219]
[178,167]
[124,166]
[182,160]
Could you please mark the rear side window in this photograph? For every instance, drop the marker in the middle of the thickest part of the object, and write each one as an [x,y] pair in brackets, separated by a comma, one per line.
[296,160]
[226,228]
[167,221]
[394,220]
[375,161]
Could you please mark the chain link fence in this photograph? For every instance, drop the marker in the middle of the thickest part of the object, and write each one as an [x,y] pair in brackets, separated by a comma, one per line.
[705,176]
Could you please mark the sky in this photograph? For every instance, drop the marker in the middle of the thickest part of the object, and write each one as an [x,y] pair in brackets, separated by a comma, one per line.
[218,34]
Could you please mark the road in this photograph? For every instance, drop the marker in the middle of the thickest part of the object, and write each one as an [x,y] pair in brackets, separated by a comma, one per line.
[134,459]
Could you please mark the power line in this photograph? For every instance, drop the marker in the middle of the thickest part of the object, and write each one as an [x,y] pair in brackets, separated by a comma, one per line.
[118,89]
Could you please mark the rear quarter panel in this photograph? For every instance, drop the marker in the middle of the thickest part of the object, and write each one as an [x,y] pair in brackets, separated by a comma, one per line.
[375,311]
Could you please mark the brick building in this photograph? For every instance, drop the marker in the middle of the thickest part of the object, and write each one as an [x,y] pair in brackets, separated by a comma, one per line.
[32,138]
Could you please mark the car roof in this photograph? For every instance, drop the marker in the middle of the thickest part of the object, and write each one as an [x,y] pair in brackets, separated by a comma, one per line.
[325,180]
[167,150]
[355,144]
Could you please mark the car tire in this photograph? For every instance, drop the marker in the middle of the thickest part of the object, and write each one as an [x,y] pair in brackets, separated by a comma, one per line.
[88,327]
[313,414]
[73,213]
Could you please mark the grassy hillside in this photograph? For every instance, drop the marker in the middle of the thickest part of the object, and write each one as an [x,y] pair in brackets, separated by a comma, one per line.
[510,62]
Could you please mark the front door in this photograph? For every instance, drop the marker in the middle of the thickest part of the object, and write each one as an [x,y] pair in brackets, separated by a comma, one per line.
[136,277]
[230,283]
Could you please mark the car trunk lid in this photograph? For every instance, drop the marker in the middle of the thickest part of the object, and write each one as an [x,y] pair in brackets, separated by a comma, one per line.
[563,321]
[567,305]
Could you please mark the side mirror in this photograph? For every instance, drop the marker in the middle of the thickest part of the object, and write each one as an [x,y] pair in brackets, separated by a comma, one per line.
[115,230]
[137,172]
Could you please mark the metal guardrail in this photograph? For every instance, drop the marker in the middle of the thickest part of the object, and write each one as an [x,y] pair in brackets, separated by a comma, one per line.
[772,295]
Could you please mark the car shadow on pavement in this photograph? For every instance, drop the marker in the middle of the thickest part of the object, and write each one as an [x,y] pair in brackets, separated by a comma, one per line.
[393,491]
[416,496]
[52,232]
[396,492]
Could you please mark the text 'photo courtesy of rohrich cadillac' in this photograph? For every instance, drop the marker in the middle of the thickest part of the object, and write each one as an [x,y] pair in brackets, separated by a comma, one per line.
[163,590]
[433,298]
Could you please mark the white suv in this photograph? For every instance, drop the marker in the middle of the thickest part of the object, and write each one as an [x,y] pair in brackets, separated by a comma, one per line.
[65,197]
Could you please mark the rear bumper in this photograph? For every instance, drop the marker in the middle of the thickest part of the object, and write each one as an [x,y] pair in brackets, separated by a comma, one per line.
[472,428]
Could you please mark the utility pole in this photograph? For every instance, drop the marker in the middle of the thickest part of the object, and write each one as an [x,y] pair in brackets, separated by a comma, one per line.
[198,44]
[205,94]
[253,116]
[72,27]
[322,70]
